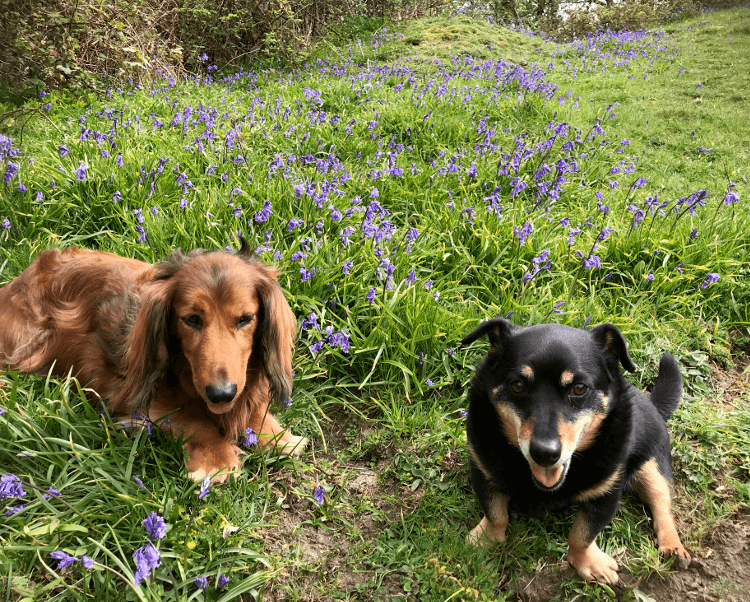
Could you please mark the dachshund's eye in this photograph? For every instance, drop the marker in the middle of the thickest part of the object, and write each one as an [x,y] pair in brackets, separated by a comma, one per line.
[516,386]
[194,321]
[579,389]
[244,320]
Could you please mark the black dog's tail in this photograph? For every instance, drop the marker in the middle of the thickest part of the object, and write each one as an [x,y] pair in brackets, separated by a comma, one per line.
[667,391]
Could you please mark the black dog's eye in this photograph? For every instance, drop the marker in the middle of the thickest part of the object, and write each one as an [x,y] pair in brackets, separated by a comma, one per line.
[244,320]
[579,389]
[516,386]
[194,321]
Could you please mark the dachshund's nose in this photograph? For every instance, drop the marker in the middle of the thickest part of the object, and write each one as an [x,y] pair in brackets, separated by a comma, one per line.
[545,452]
[223,394]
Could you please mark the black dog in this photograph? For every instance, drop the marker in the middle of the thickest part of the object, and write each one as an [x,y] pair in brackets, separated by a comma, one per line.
[553,423]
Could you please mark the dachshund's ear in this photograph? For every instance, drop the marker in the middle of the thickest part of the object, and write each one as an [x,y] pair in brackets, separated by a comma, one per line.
[146,354]
[278,332]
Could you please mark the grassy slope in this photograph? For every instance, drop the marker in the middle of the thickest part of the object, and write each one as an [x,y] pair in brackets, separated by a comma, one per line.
[399,426]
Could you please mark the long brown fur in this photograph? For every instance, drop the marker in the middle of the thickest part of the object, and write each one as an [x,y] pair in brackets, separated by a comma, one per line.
[159,340]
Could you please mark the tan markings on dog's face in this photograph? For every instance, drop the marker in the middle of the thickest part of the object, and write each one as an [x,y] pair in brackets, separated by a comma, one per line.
[591,430]
[566,378]
[527,372]
[571,432]
[215,322]
[510,421]
[602,488]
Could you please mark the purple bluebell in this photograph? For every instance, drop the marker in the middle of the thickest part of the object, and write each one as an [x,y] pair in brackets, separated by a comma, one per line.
[155,526]
[319,494]
[63,559]
[250,437]
[711,277]
[147,558]
[205,485]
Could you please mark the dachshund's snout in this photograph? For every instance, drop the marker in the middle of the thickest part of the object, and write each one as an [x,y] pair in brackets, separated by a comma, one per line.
[545,452]
[221,394]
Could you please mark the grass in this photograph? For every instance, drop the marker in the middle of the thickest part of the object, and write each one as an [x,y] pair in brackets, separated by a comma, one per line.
[430,177]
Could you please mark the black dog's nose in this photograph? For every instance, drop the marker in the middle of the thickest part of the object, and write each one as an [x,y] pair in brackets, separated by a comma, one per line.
[223,394]
[545,452]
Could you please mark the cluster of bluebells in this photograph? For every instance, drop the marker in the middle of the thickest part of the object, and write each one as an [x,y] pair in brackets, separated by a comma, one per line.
[332,337]
[148,557]
[278,166]
[11,487]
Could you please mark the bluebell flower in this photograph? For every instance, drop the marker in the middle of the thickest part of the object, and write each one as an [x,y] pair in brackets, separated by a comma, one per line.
[319,494]
[524,232]
[63,559]
[310,322]
[81,172]
[205,484]
[372,295]
[711,277]
[11,486]
[250,437]
[222,581]
[592,262]
[155,526]
[265,212]
[201,582]
[147,558]
[50,492]
[11,510]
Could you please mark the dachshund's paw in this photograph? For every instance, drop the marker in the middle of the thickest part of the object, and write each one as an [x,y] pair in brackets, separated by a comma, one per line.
[486,532]
[594,565]
[681,557]
[218,461]
[292,445]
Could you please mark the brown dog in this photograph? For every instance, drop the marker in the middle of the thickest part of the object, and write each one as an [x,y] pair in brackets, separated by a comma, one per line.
[202,340]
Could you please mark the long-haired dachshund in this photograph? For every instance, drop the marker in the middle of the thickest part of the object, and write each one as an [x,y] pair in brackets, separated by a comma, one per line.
[201,343]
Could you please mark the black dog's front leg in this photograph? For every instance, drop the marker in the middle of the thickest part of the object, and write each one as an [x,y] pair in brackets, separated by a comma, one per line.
[495,507]
[591,563]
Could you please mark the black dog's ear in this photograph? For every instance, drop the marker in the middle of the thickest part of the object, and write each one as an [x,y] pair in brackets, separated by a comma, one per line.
[497,331]
[611,341]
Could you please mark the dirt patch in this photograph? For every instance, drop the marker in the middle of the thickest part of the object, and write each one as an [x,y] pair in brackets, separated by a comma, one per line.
[719,572]
[321,555]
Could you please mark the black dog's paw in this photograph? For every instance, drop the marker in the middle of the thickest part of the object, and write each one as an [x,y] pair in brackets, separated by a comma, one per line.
[680,554]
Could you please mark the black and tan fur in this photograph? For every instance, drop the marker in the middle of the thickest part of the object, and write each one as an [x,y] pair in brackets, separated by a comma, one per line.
[552,423]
